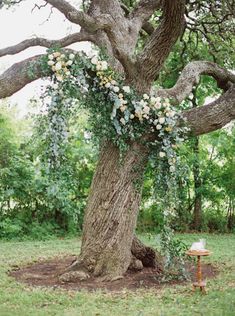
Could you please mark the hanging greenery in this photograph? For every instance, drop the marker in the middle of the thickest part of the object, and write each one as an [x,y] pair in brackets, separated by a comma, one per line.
[117,111]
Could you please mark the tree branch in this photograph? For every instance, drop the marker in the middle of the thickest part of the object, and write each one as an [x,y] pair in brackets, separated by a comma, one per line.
[86,21]
[190,77]
[147,26]
[144,9]
[19,75]
[208,118]
[63,42]
[151,60]
[201,120]
[120,35]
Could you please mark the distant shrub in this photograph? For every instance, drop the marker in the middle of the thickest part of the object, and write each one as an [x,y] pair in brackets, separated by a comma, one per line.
[150,219]
[43,231]
[215,221]
[11,228]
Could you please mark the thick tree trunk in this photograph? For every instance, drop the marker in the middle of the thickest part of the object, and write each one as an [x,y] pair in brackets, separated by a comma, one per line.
[108,244]
[197,210]
[111,213]
[231,215]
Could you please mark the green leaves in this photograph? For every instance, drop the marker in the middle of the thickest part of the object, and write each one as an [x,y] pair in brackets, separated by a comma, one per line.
[33,201]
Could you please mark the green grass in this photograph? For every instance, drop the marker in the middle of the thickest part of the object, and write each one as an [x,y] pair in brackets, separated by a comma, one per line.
[21,300]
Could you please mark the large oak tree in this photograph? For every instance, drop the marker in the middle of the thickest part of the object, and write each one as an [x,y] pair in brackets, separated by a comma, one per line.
[109,246]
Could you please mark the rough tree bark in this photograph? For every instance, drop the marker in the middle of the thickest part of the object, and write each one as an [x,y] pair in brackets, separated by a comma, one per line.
[111,214]
[109,246]
[197,209]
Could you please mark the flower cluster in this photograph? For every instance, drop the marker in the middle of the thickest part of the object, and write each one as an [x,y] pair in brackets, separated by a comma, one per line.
[130,114]
[60,64]
[58,106]
[131,111]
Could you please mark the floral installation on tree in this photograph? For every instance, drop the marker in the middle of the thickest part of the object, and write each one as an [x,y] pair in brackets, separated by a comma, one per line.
[116,111]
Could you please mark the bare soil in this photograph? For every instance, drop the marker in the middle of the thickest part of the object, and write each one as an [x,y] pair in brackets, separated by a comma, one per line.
[45,273]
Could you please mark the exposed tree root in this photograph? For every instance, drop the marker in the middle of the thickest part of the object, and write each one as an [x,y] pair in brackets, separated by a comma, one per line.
[74,276]
[135,264]
[142,256]
[147,255]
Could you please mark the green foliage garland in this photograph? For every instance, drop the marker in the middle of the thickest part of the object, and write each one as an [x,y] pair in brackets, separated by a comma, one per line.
[117,111]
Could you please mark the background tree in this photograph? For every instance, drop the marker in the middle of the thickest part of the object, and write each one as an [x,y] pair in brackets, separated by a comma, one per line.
[108,242]
[35,203]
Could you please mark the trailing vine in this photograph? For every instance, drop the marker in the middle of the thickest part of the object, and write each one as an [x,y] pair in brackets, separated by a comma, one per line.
[116,111]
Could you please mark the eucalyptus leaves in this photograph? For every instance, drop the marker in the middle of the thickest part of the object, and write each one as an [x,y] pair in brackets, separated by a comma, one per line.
[117,111]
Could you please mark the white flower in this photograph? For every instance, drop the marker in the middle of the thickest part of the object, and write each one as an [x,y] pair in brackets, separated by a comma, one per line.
[162,154]
[157,105]
[162,120]
[69,63]
[104,65]
[108,85]
[166,213]
[98,66]
[56,54]
[146,116]
[155,122]
[113,82]
[172,169]
[71,56]
[50,62]
[132,116]
[126,89]
[123,107]
[122,120]
[158,126]
[87,135]
[138,114]
[166,102]
[146,109]
[94,60]
[59,78]
[116,89]
[172,113]
[145,96]
[50,57]
[143,103]
[62,56]
[153,100]
[58,66]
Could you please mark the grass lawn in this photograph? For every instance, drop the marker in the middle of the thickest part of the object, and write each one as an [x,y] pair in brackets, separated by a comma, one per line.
[21,300]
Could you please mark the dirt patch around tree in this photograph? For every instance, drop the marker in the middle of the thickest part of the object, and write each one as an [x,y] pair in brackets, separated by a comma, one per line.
[45,274]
